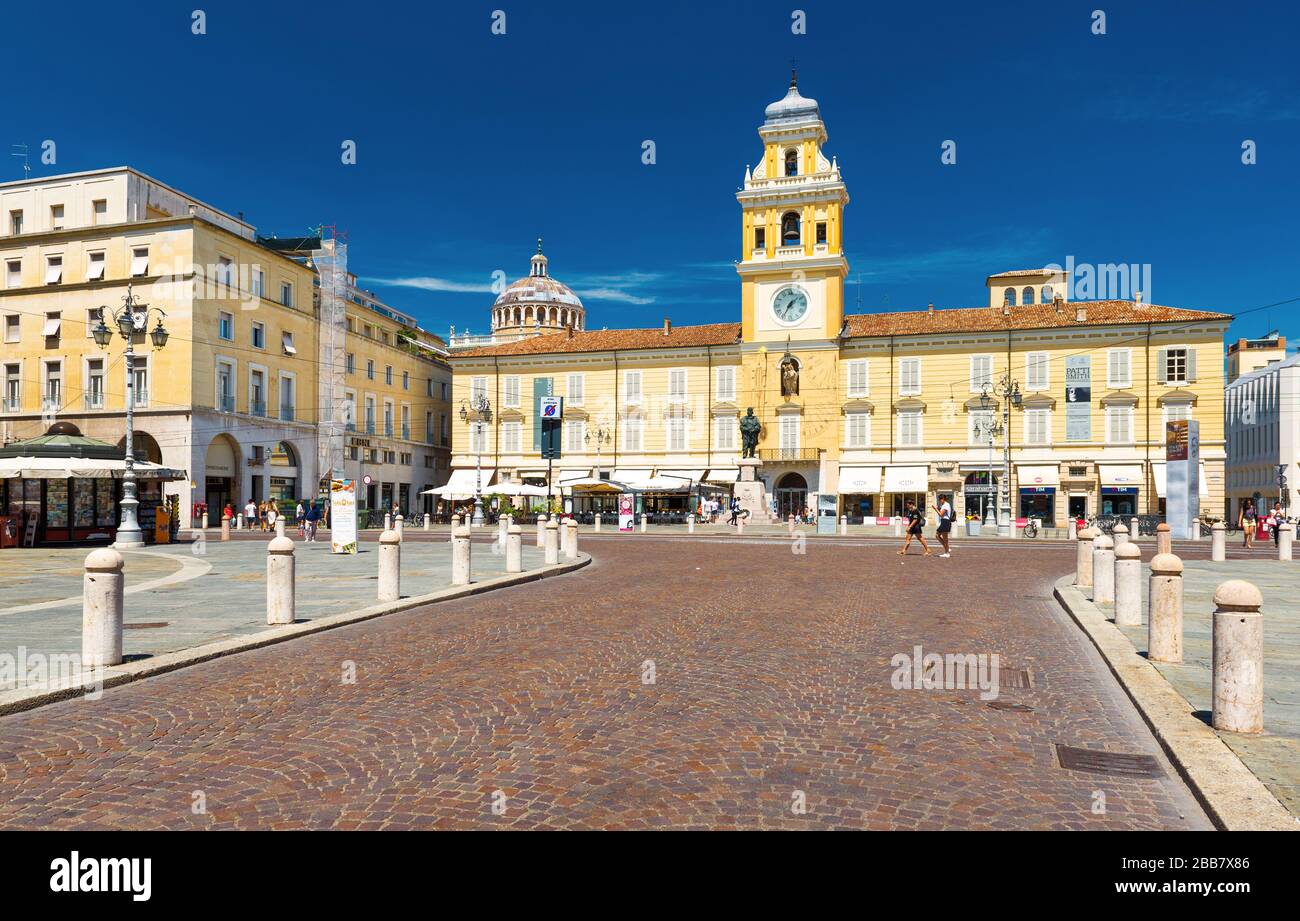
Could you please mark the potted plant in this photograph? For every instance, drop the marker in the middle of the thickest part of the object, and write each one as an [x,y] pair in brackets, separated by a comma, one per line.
[972,525]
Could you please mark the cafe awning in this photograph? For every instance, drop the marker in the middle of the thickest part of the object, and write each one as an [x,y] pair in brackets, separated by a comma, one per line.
[624,474]
[723,475]
[906,479]
[1120,474]
[461,484]
[691,477]
[859,480]
[1160,474]
[1038,475]
[65,468]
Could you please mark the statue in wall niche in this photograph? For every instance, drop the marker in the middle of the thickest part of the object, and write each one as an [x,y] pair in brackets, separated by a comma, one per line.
[789,377]
[749,429]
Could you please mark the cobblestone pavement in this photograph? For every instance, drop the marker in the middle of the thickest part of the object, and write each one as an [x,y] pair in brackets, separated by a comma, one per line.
[772,680]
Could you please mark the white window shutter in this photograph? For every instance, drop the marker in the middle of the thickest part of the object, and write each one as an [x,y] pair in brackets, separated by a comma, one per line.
[1191,364]
[1162,365]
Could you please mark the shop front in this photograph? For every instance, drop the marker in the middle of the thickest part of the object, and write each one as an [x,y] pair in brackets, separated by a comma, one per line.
[859,487]
[980,494]
[905,484]
[1038,485]
[63,488]
[1120,489]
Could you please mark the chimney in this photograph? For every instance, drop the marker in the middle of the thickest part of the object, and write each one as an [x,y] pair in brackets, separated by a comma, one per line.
[1006,308]
[1057,301]
[930,310]
[668,326]
[569,331]
[1080,313]
[1137,297]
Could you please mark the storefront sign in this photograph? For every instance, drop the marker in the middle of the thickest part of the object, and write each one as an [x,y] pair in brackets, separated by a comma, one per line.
[1078,398]
[626,504]
[343,516]
[1182,477]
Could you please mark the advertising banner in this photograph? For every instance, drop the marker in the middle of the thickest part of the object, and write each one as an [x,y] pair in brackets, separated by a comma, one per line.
[343,516]
[1182,477]
[626,517]
[1078,398]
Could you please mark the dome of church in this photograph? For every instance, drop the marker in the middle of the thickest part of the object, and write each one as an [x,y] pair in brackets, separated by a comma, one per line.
[538,303]
[793,107]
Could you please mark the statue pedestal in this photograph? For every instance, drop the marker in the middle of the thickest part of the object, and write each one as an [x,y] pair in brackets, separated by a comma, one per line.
[751,492]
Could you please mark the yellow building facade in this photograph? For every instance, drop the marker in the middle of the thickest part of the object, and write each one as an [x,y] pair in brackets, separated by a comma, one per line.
[237,397]
[859,412]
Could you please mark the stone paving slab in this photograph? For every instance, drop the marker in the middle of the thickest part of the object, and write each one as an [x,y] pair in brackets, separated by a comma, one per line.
[35,575]
[1274,755]
[229,599]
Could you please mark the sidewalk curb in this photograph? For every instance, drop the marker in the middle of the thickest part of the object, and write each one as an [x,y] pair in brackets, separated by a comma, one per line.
[1234,797]
[16,701]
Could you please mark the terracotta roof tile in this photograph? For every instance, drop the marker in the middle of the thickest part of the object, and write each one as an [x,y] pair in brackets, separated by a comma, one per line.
[1032,316]
[1018,272]
[608,340]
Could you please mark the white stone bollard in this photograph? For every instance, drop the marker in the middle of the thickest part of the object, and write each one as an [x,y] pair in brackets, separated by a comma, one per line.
[280,585]
[205,521]
[1083,558]
[1074,529]
[740,524]
[595,523]
[515,549]
[551,546]
[564,536]
[1103,570]
[225,527]
[399,524]
[1128,585]
[1238,653]
[428,521]
[643,522]
[503,523]
[1133,529]
[1164,540]
[102,609]
[390,566]
[1218,542]
[240,519]
[541,530]
[844,526]
[1285,532]
[1165,609]
[690,524]
[898,527]
[790,525]
[1120,535]
[388,521]
[460,557]
[571,543]
[279,526]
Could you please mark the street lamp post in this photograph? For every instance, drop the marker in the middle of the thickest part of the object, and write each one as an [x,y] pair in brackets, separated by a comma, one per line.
[131,319]
[1009,392]
[602,437]
[991,431]
[477,412]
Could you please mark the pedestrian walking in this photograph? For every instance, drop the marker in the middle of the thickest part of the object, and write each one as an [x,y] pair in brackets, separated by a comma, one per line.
[944,510]
[311,518]
[272,514]
[915,523]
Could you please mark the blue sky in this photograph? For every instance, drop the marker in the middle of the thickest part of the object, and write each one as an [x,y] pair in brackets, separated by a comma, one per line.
[1123,147]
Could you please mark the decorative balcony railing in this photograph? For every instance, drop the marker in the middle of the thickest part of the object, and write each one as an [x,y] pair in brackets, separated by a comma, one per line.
[788,454]
[94,401]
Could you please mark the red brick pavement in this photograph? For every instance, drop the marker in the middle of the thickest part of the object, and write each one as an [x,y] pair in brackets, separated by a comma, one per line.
[772,676]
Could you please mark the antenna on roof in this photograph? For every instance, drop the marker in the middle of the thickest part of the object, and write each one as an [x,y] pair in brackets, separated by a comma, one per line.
[27,167]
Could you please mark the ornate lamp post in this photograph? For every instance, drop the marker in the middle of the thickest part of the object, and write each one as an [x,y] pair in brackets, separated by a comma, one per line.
[601,436]
[991,430]
[477,412]
[133,318]
[1009,392]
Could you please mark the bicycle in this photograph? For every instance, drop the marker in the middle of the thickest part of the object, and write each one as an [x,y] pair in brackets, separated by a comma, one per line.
[1030,529]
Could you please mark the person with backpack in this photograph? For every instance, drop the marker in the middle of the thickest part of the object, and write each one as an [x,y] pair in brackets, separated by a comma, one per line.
[915,525]
[311,518]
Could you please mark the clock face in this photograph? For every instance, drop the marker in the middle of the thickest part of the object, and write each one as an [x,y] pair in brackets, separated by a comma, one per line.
[790,304]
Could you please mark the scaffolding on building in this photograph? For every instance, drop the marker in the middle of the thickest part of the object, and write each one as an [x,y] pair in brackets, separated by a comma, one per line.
[331,261]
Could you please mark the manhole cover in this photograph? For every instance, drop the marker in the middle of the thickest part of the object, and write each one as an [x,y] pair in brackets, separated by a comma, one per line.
[1099,762]
[153,625]
[1008,705]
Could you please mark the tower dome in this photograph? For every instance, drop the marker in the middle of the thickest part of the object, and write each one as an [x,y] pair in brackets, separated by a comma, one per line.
[536,304]
[793,107]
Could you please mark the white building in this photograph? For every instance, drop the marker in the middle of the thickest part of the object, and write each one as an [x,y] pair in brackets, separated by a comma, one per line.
[1262,411]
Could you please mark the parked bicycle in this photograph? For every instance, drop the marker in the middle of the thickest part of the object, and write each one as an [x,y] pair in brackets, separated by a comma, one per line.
[1030,529]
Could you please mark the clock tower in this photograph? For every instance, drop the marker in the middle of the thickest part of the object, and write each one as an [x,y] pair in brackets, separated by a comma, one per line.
[792,264]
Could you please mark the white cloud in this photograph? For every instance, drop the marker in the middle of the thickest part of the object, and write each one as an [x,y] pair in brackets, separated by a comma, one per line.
[428,283]
[613,294]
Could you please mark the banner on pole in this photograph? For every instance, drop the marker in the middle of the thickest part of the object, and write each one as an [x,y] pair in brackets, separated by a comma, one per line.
[343,516]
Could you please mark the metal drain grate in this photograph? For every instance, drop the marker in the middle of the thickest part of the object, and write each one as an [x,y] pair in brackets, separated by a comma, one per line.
[1007,705]
[151,625]
[1100,762]
[1021,678]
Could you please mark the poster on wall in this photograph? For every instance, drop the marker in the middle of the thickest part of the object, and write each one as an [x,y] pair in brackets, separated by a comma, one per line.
[625,512]
[1078,398]
[343,516]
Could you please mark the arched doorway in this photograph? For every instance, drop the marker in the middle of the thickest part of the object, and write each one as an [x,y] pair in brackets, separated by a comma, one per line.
[221,472]
[144,445]
[284,474]
[791,495]
[980,490]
